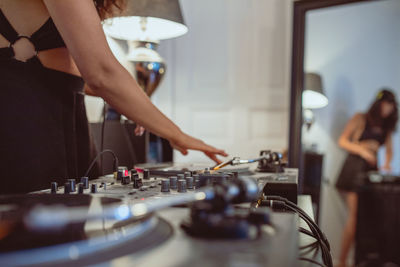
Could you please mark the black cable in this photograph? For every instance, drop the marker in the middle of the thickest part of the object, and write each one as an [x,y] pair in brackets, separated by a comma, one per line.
[115,164]
[103,126]
[299,210]
[277,201]
[129,141]
[310,247]
[312,261]
[312,244]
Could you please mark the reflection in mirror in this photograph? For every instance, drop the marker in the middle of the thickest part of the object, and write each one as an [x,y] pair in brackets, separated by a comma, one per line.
[354,49]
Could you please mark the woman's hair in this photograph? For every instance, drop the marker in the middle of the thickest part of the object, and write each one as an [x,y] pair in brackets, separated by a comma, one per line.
[374,114]
[109,8]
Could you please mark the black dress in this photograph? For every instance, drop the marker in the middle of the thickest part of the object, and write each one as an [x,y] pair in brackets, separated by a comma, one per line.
[44,133]
[354,168]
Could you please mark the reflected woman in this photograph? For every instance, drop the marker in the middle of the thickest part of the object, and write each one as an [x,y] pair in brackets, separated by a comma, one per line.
[363,135]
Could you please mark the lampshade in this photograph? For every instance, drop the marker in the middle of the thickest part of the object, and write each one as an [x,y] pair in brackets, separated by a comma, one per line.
[147,20]
[313,93]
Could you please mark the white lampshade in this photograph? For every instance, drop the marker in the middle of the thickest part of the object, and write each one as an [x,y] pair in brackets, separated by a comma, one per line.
[162,19]
[313,94]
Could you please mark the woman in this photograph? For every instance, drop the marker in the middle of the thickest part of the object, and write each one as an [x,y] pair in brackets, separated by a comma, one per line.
[363,135]
[49,49]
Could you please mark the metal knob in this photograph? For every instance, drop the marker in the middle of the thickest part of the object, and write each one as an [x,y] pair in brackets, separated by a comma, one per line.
[173,182]
[182,186]
[189,182]
[53,187]
[146,174]
[81,188]
[93,188]
[165,185]
[85,182]
[72,184]
[196,178]
[67,188]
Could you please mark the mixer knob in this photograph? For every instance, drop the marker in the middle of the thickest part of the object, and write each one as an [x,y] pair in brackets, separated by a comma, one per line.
[189,182]
[81,187]
[133,171]
[53,187]
[165,185]
[72,184]
[146,174]
[181,176]
[93,188]
[181,186]
[196,178]
[173,182]
[137,182]
[85,182]
[67,188]
[122,171]
[126,179]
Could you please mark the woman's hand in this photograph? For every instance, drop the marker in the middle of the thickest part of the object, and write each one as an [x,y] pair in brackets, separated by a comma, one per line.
[371,145]
[368,155]
[386,167]
[185,142]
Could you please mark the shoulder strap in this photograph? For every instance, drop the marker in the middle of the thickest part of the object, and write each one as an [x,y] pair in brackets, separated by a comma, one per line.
[7,30]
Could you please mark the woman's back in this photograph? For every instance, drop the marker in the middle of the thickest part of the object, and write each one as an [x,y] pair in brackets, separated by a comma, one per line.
[26,17]
[44,134]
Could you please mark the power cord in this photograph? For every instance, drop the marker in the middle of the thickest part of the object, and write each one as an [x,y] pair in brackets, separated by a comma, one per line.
[115,164]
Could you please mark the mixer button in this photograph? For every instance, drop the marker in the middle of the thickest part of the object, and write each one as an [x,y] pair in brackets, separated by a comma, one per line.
[144,188]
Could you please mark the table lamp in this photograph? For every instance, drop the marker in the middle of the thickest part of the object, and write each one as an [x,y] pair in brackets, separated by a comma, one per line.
[143,23]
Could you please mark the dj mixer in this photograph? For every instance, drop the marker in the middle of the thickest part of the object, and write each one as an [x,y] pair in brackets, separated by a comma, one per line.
[148,216]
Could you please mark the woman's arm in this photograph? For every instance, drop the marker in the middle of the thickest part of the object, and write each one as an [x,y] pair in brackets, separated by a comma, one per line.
[80,27]
[345,139]
[389,153]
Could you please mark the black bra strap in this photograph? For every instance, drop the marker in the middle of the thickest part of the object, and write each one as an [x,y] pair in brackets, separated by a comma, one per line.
[7,30]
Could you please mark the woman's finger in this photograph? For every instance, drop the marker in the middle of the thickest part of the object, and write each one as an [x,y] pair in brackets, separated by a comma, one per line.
[213,157]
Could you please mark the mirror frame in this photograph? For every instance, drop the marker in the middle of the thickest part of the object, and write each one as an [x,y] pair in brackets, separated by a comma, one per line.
[300,8]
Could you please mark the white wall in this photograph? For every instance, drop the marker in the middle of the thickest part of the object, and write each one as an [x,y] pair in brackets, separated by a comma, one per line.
[356,49]
[227,80]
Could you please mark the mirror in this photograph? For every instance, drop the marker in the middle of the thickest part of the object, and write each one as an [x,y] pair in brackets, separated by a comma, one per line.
[354,49]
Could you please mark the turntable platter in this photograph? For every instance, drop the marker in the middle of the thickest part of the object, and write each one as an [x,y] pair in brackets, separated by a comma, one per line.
[91,241]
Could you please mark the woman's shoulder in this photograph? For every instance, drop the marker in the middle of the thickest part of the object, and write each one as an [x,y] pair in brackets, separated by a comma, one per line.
[359,118]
